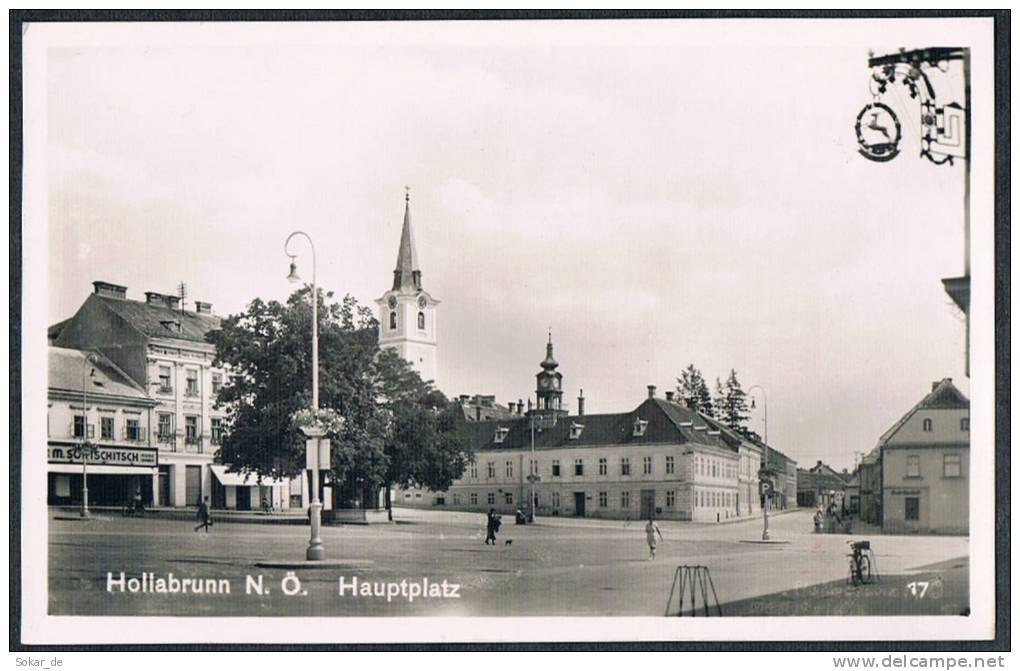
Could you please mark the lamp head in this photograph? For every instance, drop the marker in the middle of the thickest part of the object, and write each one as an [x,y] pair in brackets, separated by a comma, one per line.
[293,276]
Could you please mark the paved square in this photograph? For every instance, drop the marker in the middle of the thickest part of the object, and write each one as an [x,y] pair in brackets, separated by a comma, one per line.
[559,566]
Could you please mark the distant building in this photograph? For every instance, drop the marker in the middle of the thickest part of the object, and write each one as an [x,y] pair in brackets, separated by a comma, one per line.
[869,474]
[925,469]
[784,474]
[660,459]
[93,399]
[819,486]
[481,408]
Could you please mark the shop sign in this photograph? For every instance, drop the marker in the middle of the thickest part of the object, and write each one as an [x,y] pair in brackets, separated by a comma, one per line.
[102,455]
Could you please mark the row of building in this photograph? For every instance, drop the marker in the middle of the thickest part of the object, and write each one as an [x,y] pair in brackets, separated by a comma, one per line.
[132,391]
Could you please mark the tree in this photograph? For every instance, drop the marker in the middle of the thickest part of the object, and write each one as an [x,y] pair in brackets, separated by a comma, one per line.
[734,411]
[376,395]
[693,391]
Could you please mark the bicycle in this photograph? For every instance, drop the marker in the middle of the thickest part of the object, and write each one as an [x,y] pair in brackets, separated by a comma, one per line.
[860,562]
[134,508]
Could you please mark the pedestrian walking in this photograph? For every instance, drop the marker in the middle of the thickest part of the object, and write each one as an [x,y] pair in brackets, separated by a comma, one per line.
[204,516]
[651,529]
[491,526]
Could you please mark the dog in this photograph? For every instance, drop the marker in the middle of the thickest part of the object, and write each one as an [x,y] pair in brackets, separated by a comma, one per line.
[509,541]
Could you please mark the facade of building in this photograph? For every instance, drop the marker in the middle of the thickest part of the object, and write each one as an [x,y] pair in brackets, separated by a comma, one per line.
[869,477]
[820,486]
[784,474]
[162,349]
[407,313]
[96,413]
[660,459]
[925,466]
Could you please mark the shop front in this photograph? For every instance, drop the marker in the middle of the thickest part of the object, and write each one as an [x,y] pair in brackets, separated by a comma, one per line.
[114,474]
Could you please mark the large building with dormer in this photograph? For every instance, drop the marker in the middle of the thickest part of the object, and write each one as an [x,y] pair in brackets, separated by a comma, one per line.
[659,459]
[407,313]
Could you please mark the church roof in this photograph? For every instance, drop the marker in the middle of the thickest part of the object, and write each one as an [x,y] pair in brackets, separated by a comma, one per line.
[407,274]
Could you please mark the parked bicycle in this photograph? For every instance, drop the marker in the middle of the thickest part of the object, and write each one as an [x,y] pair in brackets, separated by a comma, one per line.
[860,562]
[134,508]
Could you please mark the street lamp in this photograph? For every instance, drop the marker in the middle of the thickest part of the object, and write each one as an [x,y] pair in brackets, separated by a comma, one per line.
[89,358]
[315,549]
[767,498]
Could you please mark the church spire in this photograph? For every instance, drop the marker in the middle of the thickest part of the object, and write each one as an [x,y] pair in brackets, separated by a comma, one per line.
[407,275]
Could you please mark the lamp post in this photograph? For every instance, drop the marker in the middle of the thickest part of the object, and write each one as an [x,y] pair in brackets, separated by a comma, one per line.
[315,549]
[89,358]
[765,502]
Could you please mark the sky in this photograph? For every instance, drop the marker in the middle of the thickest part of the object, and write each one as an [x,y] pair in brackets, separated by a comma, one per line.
[656,195]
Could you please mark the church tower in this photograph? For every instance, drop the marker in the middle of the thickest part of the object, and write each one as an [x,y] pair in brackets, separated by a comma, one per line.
[407,313]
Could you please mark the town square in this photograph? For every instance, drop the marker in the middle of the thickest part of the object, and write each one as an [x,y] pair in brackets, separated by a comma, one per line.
[510,321]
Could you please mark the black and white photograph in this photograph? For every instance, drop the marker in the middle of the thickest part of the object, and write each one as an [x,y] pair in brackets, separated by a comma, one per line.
[417,331]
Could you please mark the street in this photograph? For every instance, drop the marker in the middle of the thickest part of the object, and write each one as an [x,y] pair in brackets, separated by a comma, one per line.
[559,566]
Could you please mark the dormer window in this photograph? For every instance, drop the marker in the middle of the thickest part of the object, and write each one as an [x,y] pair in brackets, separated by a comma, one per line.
[500,434]
[171,325]
[575,430]
[640,426]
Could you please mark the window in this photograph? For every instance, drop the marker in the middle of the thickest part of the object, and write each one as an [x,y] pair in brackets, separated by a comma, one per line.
[926,424]
[456,499]
[912,508]
[913,466]
[79,427]
[555,499]
[106,428]
[474,470]
[509,497]
[640,426]
[534,467]
[492,499]
[646,467]
[132,431]
[715,467]
[500,434]
[603,499]
[191,429]
[393,319]
[965,424]
[216,431]
[192,383]
[670,498]
[951,466]
[491,470]
[165,431]
[217,383]
[578,467]
[421,321]
[669,466]
[164,380]
[625,499]
[575,430]
[473,498]
[556,468]
[509,469]
[624,466]
[603,466]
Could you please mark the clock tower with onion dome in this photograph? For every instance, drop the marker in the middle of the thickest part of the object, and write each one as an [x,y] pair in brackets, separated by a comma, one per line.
[549,385]
[407,313]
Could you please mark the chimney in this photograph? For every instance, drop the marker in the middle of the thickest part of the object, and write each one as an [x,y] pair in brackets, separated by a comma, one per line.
[478,413]
[520,407]
[580,404]
[651,391]
[203,308]
[463,398]
[109,290]
[669,396]
[172,302]
[163,300]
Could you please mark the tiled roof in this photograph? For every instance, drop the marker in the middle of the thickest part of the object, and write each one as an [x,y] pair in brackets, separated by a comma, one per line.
[65,373]
[945,396]
[158,321]
[664,426]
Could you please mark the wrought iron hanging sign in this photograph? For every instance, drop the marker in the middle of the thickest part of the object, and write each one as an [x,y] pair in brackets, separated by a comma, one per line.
[878,132]
[942,128]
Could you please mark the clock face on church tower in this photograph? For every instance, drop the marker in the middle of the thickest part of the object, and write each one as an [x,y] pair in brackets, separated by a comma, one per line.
[544,383]
[393,302]
[422,303]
